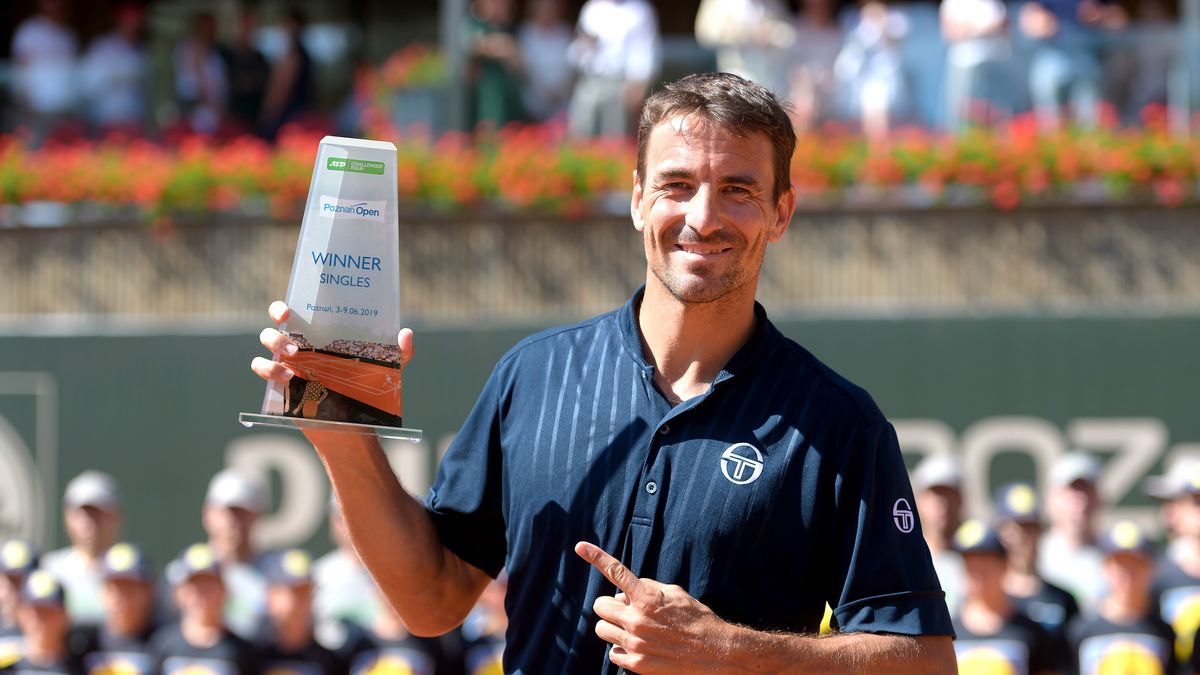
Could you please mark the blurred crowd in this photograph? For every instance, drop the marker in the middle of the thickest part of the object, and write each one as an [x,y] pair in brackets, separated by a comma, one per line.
[1041,584]
[869,65]
[101,605]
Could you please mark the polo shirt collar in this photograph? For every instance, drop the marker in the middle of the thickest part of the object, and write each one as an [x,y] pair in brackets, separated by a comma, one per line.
[764,339]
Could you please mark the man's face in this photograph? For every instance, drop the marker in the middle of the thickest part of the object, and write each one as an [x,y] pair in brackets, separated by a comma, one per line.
[92,528]
[286,604]
[1127,572]
[705,209]
[1020,538]
[1073,506]
[229,527]
[128,604]
[940,508]
[41,623]
[984,572]
[202,596]
[1185,515]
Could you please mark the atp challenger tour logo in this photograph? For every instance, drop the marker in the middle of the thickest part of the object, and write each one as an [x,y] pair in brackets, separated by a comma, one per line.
[741,463]
[354,165]
[332,207]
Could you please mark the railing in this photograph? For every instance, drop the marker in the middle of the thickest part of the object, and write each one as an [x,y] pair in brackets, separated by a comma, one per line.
[509,268]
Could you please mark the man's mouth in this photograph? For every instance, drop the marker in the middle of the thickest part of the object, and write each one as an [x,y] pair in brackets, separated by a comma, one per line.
[703,251]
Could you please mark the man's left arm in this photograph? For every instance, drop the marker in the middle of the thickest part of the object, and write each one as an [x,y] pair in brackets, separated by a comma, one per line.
[659,628]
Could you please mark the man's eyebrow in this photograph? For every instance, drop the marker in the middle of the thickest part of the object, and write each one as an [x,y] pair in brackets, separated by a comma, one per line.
[740,180]
[669,174]
[734,179]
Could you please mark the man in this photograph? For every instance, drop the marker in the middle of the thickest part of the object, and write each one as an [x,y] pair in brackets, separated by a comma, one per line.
[616,51]
[993,637]
[44,49]
[287,643]
[977,61]
[1176,585]
[344,590]
[937,482]
[1019,527]
[92,515]
[199,641]
[114,74]
[1125,636]
[121,643]
[17,560]
[1173,491]
[44,623]
[1068,556]
[750,37]
[742,483]
[231,510]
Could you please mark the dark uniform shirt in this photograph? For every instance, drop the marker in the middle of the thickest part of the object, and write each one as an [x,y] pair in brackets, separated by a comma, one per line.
[10,644]
[370,654]
[231,655]
[1143,647]
[312,659]
[1020,646]
[1051,607]
[1178,596]
[779,489]
[108,653]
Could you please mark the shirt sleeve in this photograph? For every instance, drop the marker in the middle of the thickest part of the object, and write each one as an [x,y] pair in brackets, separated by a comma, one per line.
[883,570]
[465,500]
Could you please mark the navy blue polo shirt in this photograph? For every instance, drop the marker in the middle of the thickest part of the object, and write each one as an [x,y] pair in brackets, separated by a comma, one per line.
[779,489]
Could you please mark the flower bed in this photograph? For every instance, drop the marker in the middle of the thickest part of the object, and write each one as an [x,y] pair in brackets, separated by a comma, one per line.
[537,169]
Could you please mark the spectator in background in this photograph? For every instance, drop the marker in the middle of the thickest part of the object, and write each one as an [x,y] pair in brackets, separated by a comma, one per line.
[543,39]
[751,38]
[44,51]
[92,516]
[811,83]
[201,83]
[344,589]
[483,630]
[121,643]
[44,625]
[1124,636]
[937,487]
[17,560]
[287,641]
[1139,70]
[1067,555]
[1065,67]
[387,646]
[616,50]
[870,69]
[1019,526]
[992,636]
[977,62]
[493,64]
[114,72]
[200,641]
[289,92]
[248,73]
[231,510]
[1174,493]
[1176,585]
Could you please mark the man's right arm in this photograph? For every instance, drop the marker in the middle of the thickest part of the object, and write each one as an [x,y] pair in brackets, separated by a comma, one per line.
[431,588]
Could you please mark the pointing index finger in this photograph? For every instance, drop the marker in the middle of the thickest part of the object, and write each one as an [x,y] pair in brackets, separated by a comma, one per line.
[611,568]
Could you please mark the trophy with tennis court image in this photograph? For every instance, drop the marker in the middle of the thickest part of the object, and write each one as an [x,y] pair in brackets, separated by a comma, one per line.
[344,296]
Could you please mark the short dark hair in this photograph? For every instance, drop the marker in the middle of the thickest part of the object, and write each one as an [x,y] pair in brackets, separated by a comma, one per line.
[729,101]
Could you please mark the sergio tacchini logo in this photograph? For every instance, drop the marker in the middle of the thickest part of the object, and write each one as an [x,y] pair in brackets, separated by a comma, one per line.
[741,463]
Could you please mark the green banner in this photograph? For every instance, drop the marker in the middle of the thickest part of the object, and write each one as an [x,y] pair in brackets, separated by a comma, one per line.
[159,411]
[355,165]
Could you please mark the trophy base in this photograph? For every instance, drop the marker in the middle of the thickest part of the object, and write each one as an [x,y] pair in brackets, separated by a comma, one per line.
[256,419]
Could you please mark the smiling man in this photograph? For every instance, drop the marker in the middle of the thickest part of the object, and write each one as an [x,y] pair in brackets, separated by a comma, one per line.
[723,484]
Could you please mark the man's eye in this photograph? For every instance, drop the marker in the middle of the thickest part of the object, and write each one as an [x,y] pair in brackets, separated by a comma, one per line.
[737,189]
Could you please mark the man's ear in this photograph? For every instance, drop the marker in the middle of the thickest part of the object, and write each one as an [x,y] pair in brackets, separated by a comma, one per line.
[784,208]
[635,203]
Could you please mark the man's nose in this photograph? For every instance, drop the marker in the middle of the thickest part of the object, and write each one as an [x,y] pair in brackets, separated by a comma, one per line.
[703,214]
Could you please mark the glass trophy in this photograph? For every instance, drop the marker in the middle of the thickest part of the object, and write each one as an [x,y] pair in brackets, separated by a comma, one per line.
[344,296]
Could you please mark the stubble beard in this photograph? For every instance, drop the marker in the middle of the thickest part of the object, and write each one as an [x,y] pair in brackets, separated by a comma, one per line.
[693,289]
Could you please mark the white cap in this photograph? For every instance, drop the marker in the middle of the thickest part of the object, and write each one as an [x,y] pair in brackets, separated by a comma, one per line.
[1183,477]
[1073,466]
[232,489]
[92,488]
[934,470]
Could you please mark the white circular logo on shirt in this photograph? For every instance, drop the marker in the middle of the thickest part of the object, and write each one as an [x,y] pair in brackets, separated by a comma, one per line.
[741,463]
[902,515]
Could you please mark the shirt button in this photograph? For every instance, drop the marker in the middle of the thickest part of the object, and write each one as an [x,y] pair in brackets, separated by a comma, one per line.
[651,487]
[664,429]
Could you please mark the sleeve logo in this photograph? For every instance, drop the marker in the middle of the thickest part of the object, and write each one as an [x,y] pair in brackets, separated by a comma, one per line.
[902,515]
